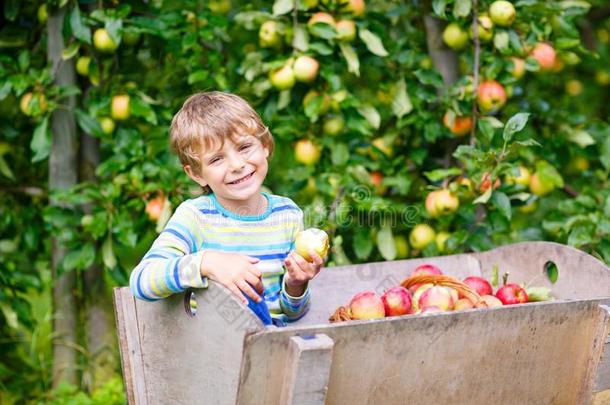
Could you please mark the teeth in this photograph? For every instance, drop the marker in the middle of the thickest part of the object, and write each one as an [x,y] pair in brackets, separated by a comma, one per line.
[242,179]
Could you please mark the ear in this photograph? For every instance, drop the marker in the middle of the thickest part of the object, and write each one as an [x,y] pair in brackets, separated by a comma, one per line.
[189,172]
[266,152]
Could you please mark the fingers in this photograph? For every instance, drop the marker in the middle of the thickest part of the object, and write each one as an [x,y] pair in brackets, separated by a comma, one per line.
[252,260]
[248,290]
[317,260]
[235,290]
[255,282]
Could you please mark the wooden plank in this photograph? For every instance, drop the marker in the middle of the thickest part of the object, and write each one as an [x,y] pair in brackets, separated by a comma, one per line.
[194,359]
[602,382]
[129,345]
[307,370]
[536,353]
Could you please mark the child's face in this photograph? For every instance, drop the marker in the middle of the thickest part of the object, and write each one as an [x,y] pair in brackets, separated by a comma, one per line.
[236,171]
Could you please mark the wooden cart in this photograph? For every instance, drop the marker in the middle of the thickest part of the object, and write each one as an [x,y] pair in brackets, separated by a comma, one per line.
[537,353]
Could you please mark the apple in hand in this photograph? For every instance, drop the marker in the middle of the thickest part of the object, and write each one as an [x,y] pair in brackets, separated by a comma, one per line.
[366,305]
[479,285]
[311,239]
[396,301]
[510,294]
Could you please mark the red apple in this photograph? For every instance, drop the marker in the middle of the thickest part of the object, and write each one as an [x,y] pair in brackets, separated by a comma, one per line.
[346,30]
[460,125]
[366,305]
[396,301]
[154,207]
[437,296]
[433,309]
[491,96]
[322,18]
[356,7]
[424,269]
[417,293]
[479,284]
[545,55]
[518,67]
[511,294]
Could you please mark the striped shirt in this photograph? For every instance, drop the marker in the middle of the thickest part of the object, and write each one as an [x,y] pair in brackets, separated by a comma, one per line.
[172,263]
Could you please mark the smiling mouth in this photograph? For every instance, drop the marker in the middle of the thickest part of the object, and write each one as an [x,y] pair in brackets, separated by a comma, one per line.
[246,177]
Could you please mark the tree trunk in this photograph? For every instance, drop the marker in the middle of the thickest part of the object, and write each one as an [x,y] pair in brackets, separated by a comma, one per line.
[445,61]
[62,174]
[99,329]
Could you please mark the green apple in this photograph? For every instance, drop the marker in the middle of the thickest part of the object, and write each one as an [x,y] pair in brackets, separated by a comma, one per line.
[103,42]
[312,94]
[502,13]
[421,236]
[333,125]
[282,78]
[540,187]
[518,69]
[269,35]
[321,18]
[42,13]
[441,202]
[346,30]
[26,100]
[402,247]
[107,124]
[82,65]
[441,239]
[305,69]
[119,108]
[454,36]
[485,28]
[307,152]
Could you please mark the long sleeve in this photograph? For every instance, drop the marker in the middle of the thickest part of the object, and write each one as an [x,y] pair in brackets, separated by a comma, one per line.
[295,307]
[173,262]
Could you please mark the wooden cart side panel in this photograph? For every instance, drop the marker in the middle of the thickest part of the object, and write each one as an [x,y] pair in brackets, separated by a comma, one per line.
[580,275]
[502,355]
[194,359]
[597,347]
[602,382]
[129,346]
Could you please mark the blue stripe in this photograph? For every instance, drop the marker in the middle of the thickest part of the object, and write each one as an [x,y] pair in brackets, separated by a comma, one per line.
[271,256]
[285,207]
[206,211]
[179,235]
[241,248]
[140,293]
[186,232]
[176,278]
[168,279]
[154,256]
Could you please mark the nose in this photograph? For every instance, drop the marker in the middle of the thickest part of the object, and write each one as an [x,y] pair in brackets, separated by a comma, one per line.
[236,161]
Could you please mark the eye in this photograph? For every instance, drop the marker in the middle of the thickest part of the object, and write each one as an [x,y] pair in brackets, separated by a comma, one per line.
[215,159]
[245,146]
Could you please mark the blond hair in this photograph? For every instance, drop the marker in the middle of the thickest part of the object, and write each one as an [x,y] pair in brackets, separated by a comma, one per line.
[207,119]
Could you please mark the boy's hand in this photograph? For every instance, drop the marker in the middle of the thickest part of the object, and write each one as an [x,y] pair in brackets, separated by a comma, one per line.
[299,271]
[234,271]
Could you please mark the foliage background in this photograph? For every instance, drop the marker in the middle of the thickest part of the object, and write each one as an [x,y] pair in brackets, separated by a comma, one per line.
[384,86]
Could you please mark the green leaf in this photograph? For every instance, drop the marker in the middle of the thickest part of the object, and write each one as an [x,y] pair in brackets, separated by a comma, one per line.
[401,105]
[501,41]
[494,275]
[385,242]
[567,43]
[10,315]
[552,272]
[439,6]
[340,154]
[281,7]
[87,123]
[353,63]
[515,124]
[607,207]
[440,174]
[283,100]
[322,30]
[198,76]
[502,202]
[483,198]
[371,114]
[41,141]
[548,174]
[5,169]
[80,30]
[141,109]
[300,41]
[372,42]
[581,137]
[79,259]
[363,243]
[108,256]
[604,153]
[462,8]
[5,89]
[114,27]
[574,4]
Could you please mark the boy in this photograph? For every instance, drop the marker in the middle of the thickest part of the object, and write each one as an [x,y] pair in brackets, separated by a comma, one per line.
[233,234]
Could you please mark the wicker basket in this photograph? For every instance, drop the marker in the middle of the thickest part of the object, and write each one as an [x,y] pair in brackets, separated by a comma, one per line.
[343,313]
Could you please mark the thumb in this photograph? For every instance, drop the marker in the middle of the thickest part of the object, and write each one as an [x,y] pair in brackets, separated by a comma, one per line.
[253,260]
